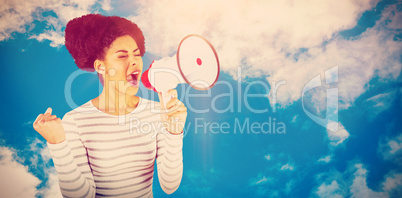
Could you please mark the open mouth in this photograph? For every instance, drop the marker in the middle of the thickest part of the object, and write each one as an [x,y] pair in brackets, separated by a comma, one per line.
[133,78]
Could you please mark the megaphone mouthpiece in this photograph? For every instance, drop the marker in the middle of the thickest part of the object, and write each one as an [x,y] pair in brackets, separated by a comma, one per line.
[145,79]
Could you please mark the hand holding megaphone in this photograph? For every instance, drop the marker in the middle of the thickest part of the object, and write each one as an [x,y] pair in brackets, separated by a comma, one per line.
[196,63]
[176,112]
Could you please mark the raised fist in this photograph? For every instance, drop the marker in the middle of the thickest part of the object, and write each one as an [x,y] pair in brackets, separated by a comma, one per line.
[50,127]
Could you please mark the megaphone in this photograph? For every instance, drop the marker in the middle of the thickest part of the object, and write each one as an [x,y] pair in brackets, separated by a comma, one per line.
[196,63]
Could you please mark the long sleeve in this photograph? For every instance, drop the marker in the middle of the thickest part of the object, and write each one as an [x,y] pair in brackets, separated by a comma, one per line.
[169,161]
[71,163]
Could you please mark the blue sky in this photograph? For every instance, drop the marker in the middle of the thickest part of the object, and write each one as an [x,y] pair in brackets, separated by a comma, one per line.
[267,43]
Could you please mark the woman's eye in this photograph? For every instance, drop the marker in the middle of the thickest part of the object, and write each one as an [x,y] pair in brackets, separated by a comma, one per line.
[123,56]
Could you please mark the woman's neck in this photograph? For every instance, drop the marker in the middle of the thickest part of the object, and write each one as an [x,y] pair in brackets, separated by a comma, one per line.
[114,103]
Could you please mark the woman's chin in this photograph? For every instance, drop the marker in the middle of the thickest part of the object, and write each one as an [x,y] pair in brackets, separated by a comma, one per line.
[132,90]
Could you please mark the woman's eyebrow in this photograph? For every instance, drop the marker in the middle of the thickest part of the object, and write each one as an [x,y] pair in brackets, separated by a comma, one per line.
[125,51]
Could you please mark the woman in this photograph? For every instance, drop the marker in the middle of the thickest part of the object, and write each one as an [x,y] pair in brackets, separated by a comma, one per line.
[108,146]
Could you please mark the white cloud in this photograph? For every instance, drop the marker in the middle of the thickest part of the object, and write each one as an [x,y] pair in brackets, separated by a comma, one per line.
[378,99]
[359,186]
[71,9]
[330,190]
[395,145]
[259,180]
[287,167]
[251,28]
[390,148]
[16,15]
[379,103]
[325,159]
[267,157]
[339,136]
[294,118]
[56,38]
[353,183]
[41,151]
[17,181]
[52,189]
[358,61]
[106,5]
[34,147]
[392,182]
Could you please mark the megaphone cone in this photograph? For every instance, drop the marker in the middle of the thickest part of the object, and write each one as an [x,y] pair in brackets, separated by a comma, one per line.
[195,63]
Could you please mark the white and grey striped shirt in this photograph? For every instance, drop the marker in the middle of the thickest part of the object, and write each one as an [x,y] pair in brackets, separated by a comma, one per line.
[114,156]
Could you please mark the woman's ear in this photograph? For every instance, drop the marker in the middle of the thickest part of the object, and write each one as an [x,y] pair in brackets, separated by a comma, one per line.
[99,67]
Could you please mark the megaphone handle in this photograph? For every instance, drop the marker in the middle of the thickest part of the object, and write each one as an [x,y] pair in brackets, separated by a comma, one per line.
[166,98]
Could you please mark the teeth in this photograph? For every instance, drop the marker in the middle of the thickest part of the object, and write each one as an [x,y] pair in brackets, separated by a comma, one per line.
[133,77]
[134,73]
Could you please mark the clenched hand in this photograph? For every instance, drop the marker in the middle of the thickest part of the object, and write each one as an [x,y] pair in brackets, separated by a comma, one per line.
[50,127]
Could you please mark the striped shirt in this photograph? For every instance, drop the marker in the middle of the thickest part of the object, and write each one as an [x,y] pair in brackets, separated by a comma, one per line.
[113,156]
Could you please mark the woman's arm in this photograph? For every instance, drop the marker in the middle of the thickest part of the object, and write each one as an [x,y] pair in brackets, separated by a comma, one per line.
[169,157]
[169,161]
[69,156]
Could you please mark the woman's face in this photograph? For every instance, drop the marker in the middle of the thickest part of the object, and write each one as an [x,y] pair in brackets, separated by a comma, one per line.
[123,64]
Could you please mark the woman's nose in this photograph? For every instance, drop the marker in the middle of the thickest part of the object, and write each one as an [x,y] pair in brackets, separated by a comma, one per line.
[133,61]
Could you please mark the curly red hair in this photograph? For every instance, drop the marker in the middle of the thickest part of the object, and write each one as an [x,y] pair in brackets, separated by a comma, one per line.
[88,37]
